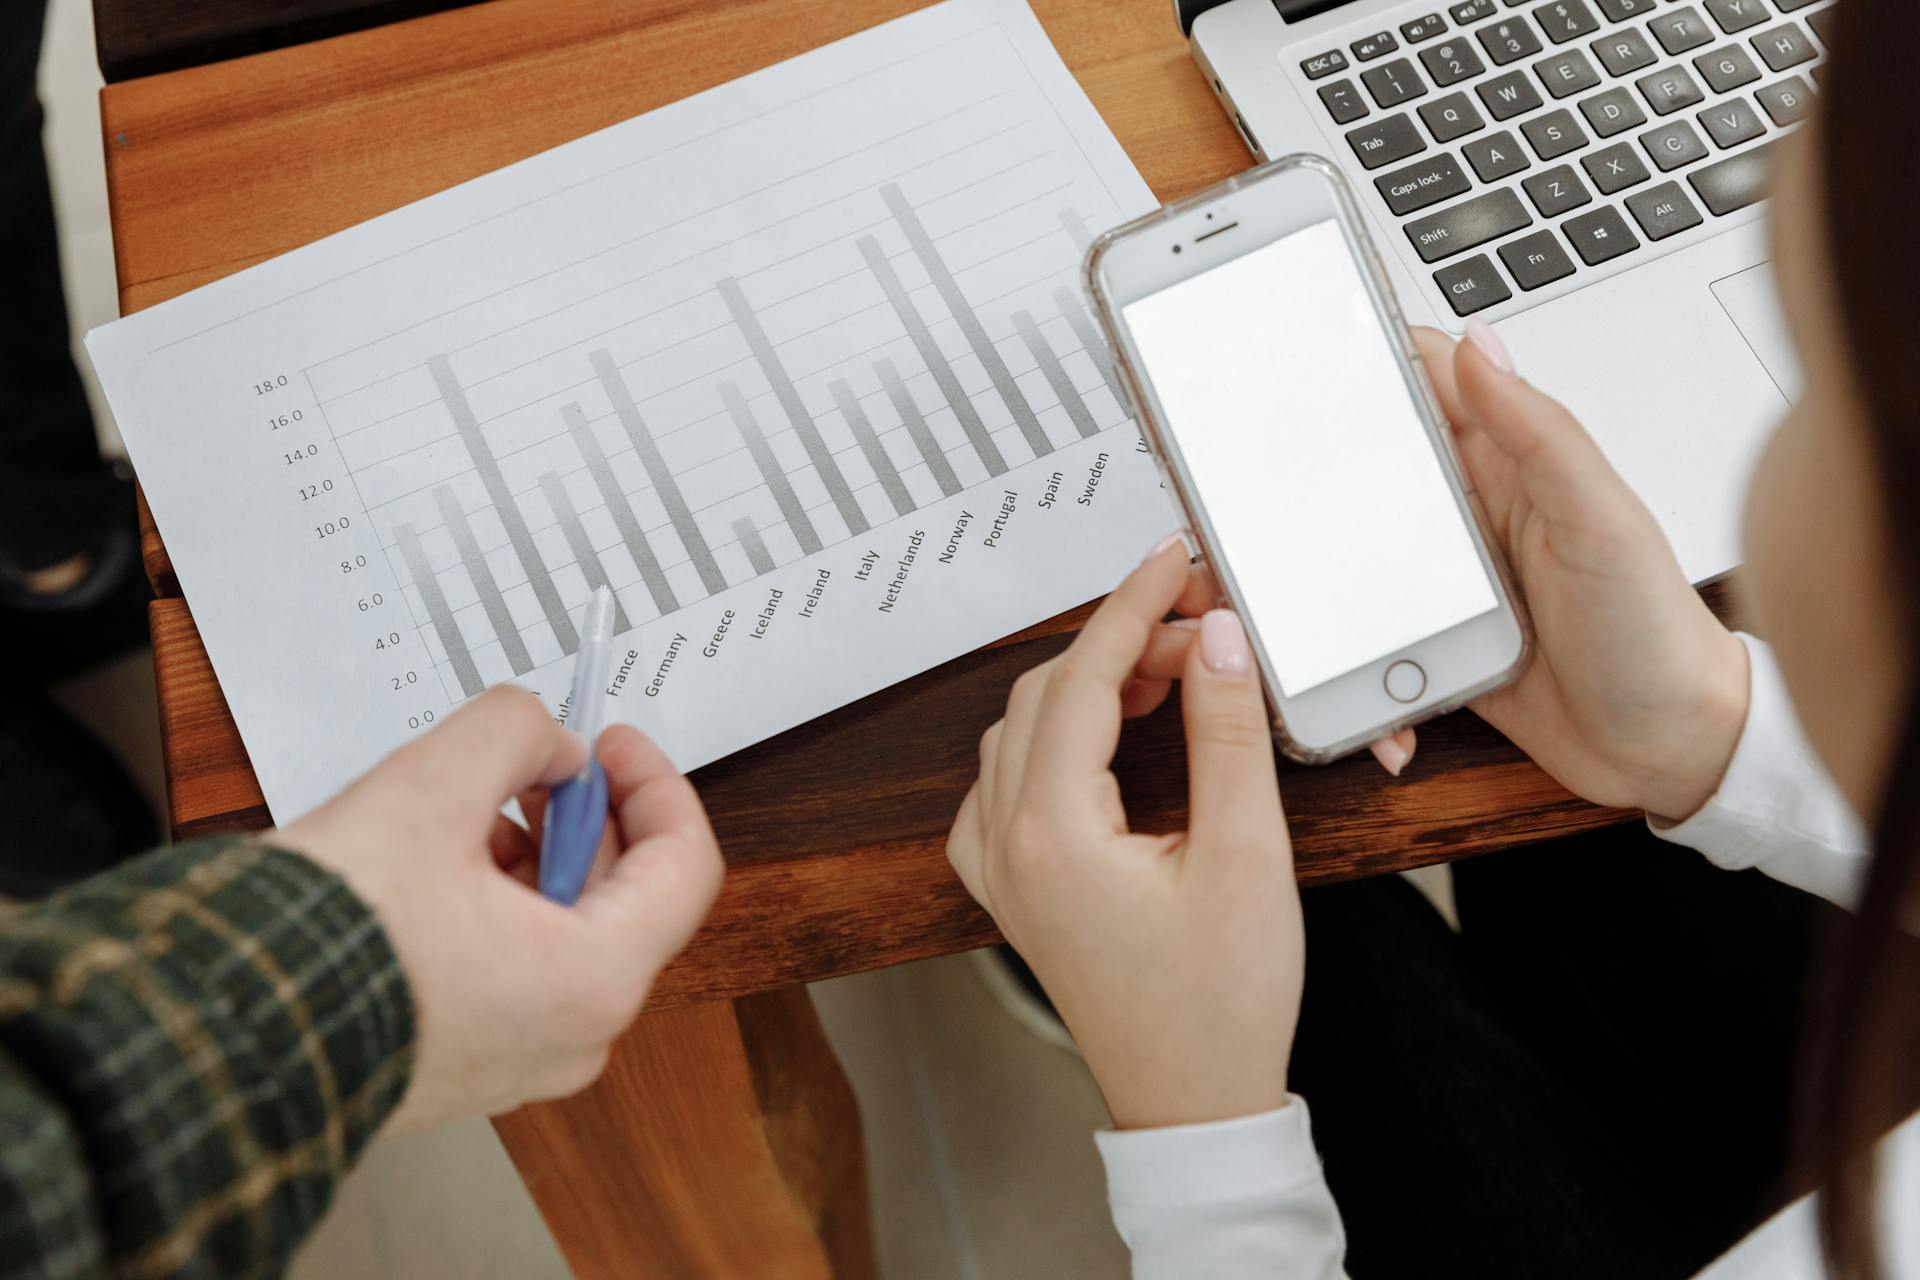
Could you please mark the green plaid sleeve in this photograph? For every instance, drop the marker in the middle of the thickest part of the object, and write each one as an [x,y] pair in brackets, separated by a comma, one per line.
[194,1048]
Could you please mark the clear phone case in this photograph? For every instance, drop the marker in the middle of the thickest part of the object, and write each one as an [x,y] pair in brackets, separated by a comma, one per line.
[1373,272]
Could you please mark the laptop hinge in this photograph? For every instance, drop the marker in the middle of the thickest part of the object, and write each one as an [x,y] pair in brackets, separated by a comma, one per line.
[1297,10]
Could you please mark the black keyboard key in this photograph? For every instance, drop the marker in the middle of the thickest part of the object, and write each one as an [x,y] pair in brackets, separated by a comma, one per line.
[1453,116]
[1324,64]
[1673,145]
[1787,102]
[1565,20]
[1621,10]
[1731,123]
[1496,156]
[1612,112]
[1468,224]
[1536,260]
[1681,30]
[1508,40]
[1508,95]
[1663,211]
[1783,46]
[1736,182]
[1600,236]
[1726,69]
[1668,90]
[1822,24]
[1386,140]
[1557,191]
[1428,182]
[1451,62]
[1788,6]
[1566,73]
[1473,285]
[1425,27]
[1737,15]
[1472,11]
[1621,52]
[1554,134]
[1378,45]
[1393,83]
[1616,168]
[1343,101]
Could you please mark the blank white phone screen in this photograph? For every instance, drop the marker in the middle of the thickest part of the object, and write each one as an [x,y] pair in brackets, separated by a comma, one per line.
[1302,442]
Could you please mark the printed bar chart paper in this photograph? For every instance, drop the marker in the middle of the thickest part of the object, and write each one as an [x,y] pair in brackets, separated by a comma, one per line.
[799,366]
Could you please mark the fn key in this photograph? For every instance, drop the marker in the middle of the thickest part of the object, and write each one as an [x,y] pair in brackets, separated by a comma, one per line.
[1472,285]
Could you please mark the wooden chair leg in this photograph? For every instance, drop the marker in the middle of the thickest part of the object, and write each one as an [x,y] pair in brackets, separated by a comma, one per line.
[723,1141]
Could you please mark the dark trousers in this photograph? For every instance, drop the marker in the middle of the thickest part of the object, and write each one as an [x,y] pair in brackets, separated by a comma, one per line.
[1593,1078]
[55,493]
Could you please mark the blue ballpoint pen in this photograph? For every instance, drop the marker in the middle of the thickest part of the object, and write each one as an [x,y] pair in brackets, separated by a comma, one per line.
[577,808]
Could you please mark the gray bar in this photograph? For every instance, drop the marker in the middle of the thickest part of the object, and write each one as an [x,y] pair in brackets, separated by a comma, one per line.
[783,495]
[483,581]
[1090,339]
[1056,376]
[909,412]
[969,323]
[935,359]
[583,553]
[757,553]
[663,482]
[623,517]
[883,468]
[796,409]
[443,624]
[1076,228]
[455,398]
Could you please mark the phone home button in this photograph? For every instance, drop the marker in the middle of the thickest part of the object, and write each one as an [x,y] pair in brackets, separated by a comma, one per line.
[1406,681]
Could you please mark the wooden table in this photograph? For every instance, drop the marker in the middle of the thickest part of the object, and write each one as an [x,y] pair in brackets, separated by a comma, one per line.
[723,1140]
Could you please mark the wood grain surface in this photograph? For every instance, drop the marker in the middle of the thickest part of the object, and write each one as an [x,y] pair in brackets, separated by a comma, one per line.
[834,832]
[738,1151]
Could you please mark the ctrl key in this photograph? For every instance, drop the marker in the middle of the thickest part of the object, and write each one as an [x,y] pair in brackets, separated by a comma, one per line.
[1472,285]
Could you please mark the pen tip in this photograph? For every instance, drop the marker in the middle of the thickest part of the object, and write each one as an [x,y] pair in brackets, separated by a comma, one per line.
[598,624]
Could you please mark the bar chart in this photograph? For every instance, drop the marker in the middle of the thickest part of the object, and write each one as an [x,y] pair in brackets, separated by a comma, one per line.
[799,368]
[783,473]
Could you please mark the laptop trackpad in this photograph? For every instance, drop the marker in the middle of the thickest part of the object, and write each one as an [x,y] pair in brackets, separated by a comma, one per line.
[1751,301]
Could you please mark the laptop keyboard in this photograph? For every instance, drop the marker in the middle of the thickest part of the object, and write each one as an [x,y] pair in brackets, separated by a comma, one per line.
[1522,144]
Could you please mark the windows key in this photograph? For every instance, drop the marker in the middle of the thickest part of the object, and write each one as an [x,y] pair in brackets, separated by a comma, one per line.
[1472,285]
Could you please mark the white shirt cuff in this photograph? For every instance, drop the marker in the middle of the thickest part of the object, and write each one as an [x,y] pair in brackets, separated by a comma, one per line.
[1248,1157]
[1776,809]
[1231,1200]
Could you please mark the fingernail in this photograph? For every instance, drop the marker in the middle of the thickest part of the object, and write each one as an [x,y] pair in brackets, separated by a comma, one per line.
[1184,624]
[1481,335]
[1392,756]
[1164,543]
[1223,644]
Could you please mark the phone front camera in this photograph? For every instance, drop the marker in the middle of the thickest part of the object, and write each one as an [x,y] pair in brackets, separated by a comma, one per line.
[1176,248]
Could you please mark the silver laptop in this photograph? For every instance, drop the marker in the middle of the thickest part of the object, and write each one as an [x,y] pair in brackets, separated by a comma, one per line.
[1584,175]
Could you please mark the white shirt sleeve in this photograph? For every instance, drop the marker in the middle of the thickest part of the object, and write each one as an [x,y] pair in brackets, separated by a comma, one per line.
[1227,1200]
[1777,809]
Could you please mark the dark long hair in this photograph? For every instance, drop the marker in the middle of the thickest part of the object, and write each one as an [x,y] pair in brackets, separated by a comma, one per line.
[1864,1046]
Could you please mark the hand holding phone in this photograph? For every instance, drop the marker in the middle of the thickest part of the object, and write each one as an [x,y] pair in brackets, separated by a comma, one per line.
[1282,396]
[1638,693]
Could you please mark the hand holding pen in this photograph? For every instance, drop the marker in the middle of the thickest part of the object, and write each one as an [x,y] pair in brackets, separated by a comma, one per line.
[516,998]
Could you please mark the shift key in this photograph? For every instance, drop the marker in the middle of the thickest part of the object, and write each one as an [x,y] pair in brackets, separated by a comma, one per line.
[1469,223]
[1736,182]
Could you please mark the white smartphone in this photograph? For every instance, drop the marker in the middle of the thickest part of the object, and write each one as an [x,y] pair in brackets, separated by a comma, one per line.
[1281,392]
